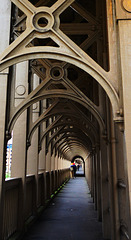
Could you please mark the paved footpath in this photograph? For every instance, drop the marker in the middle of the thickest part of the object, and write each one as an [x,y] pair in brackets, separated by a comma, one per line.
[70,216]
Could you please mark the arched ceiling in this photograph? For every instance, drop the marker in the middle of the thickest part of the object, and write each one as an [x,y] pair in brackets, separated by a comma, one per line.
[64,42]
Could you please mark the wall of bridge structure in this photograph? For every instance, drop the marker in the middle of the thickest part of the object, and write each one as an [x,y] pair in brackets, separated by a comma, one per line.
[38,169]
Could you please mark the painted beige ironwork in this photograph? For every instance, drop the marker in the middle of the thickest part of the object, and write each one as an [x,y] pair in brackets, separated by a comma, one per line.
[67,51]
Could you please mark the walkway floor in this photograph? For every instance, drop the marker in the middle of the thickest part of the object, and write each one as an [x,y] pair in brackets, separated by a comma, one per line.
[71,216]
[80,172]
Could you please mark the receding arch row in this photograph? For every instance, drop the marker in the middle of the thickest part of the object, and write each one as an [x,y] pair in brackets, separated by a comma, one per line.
[86,133]
[82,136]
[73,112]
[73,141]
[67,134]
[100,75]
[74,145]
[44,118]
[58,123]
[81,150]
[66,152]
[63,140]
[74,148]
[90,135]
[54,94]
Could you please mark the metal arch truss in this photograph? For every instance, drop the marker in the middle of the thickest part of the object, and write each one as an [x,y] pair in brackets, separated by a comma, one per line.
[45,90]
[67,149]
[72,126]
[69,110]
[83,128]
[68,135]
[67,50]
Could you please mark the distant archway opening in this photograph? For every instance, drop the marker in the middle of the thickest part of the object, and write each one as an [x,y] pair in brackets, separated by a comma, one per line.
[80,163]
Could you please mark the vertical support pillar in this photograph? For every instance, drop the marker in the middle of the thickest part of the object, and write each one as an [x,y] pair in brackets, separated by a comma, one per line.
[112,173]
[56,167]
[121,173]
[114,182]
[42,152]
[5,16]
[48,159]
[32,160]
[33,151]
[42,158]
[124,24]
[42,165]
[94,181]
[88,173]
[3,96]
[93,176]
[19,151]
[48,166]
[32,165]
[105,191]
[56,162]
[59,162]
[32,156]
[98,180]
[115,214]
[53,162]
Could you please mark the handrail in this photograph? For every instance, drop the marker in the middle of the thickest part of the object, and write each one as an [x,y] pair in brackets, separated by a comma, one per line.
[30,178]
[12,183]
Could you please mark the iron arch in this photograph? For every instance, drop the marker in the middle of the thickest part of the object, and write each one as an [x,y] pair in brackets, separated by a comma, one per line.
[54,95]
[102,79]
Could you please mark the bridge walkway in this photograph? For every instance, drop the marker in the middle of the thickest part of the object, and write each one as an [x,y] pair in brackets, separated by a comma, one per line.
[70,216]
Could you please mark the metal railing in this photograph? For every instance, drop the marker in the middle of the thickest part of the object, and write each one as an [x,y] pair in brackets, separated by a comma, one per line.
[35,196]
[11,207]
[30,196]
[41,190]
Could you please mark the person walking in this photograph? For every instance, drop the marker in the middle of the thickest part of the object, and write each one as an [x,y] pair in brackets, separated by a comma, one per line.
[73,170]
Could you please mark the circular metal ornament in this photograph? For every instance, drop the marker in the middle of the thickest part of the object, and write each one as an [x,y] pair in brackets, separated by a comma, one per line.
[43,21]
[127,5]
[20,90]
[57,73]
[35,106]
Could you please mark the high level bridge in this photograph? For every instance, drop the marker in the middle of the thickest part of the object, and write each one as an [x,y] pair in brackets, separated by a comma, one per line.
[65,93]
